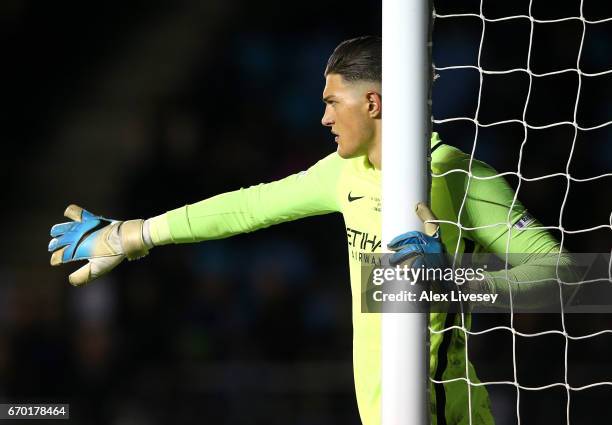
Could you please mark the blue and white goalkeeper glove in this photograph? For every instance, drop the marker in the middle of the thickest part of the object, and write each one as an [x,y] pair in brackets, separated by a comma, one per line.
[419,248]
[103,242]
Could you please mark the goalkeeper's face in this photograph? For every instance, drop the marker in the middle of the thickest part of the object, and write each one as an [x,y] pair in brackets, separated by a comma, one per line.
[352,111]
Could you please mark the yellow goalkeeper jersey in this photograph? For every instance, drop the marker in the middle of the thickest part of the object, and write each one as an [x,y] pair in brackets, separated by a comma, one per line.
[353,187]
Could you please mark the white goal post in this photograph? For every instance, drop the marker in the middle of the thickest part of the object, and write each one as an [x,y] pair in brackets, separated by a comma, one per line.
[406,71]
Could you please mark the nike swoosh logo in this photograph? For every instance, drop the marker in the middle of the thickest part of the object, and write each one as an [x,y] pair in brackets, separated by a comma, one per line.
[353,198]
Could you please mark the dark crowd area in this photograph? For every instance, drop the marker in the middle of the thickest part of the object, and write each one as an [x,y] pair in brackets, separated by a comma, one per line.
[130,109]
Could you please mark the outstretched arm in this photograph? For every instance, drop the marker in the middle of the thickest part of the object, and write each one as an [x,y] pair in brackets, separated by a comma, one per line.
[308,193]
[104,243]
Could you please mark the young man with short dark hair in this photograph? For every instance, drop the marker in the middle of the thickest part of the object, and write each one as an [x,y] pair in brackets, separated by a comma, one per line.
[347,181]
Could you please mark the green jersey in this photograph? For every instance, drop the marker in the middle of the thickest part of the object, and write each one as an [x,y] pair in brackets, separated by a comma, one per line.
[352,187]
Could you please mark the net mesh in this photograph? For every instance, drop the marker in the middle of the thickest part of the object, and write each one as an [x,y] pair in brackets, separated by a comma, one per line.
[529,22]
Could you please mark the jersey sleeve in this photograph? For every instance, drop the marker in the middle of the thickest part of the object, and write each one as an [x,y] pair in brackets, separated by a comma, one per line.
[531,281]
[490,208]
[307,193]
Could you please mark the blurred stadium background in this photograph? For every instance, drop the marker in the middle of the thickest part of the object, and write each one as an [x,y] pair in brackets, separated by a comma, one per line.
[134,108]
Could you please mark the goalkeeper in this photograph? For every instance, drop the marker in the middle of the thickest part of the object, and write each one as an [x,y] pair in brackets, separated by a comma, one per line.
[347,181]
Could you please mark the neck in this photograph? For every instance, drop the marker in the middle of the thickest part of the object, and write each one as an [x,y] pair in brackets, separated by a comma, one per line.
[375,150]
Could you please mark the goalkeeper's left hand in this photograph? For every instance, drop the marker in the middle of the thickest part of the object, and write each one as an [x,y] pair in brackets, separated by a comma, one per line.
[103,242]
[419,248]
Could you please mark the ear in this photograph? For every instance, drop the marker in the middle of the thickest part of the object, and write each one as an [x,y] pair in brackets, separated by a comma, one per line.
[374,104]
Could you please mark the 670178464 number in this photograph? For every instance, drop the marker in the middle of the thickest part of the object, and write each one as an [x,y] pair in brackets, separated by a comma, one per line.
[34,411]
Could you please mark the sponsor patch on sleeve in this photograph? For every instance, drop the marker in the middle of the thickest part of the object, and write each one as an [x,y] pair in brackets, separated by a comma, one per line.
[524,221]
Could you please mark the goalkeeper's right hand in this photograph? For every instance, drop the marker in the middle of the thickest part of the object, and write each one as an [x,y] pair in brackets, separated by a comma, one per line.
[103,242]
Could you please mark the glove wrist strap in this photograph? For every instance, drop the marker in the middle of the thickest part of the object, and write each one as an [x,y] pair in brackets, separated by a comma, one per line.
[132,241]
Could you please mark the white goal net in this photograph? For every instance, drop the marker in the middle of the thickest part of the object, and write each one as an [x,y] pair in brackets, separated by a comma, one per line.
[526,86]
